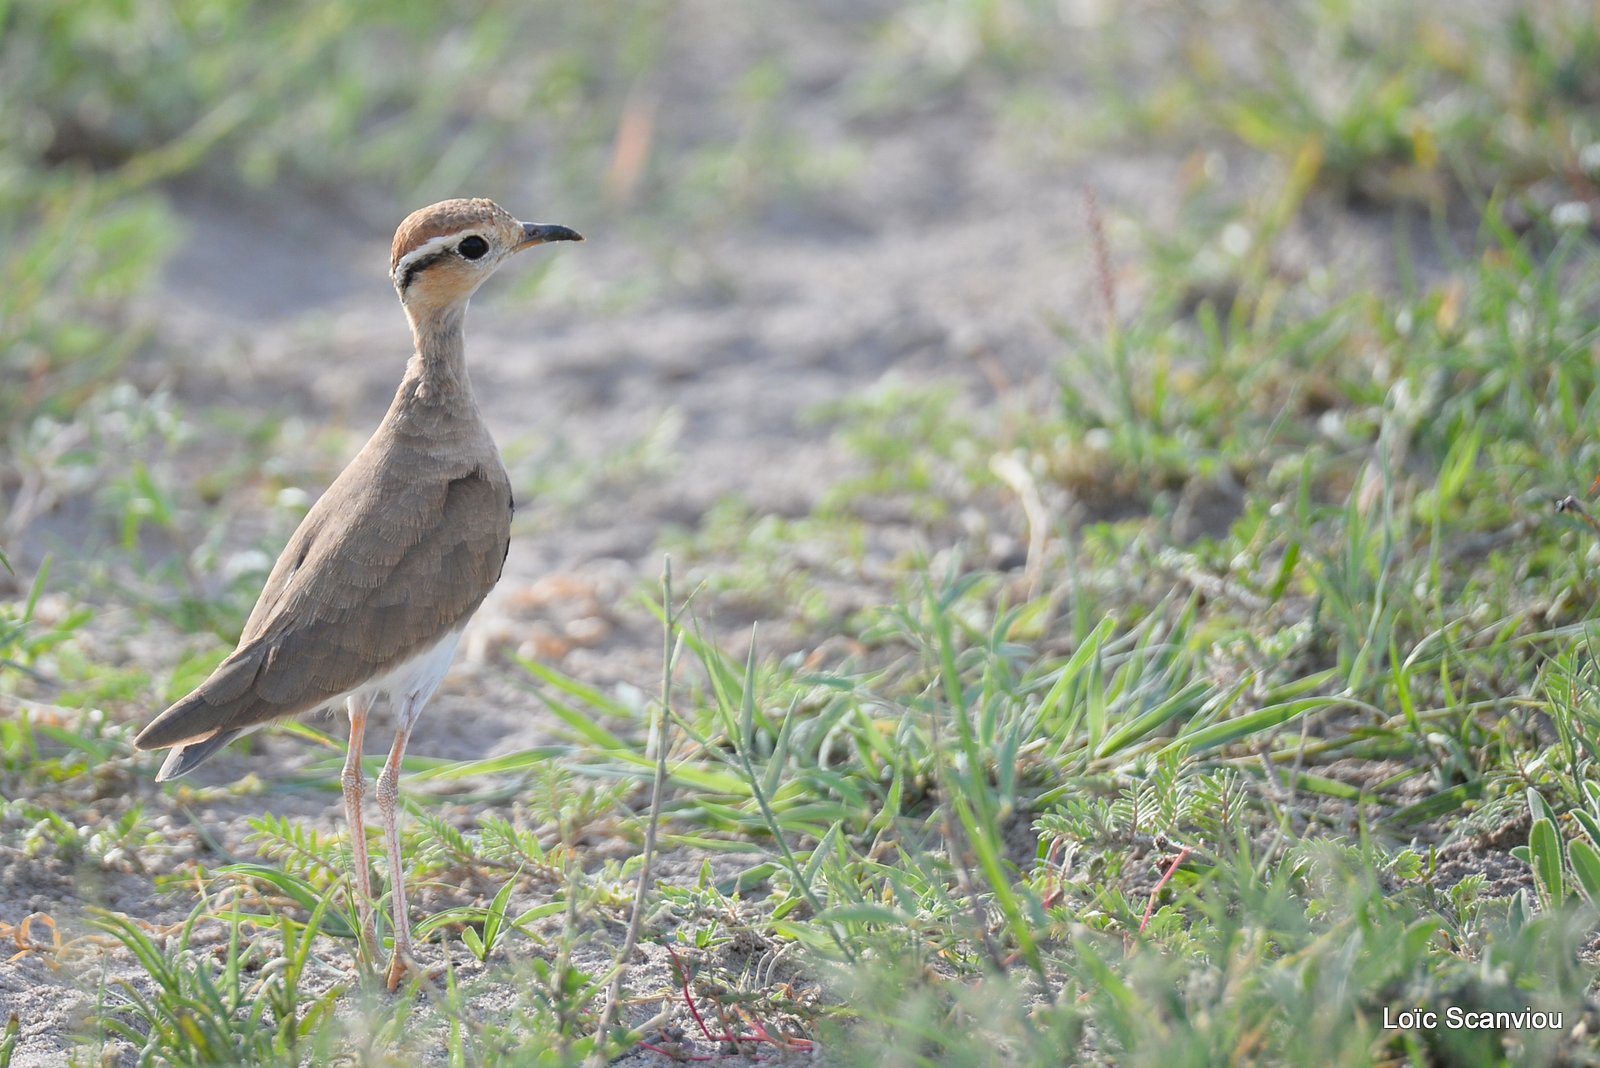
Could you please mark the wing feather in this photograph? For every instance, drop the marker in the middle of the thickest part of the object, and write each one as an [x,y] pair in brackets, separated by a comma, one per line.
[364,585]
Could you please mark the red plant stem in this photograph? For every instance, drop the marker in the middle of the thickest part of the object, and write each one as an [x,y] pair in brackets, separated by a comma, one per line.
[677,1056]
[1149,910]
[761,1035]
[683,976]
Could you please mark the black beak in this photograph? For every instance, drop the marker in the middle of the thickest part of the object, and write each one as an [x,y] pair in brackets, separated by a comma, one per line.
[539,233]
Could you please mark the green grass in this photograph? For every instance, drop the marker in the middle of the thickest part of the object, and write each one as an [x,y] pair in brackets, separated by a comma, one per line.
[1260,702]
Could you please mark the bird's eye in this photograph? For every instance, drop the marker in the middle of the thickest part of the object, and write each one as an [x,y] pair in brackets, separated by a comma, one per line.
[473,248]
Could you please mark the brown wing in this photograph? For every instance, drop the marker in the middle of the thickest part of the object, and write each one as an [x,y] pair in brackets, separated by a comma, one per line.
[364,584]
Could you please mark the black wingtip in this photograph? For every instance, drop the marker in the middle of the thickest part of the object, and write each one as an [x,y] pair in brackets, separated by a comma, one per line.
[185,758]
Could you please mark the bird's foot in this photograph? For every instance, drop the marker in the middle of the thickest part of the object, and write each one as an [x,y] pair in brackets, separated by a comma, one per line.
[402,966]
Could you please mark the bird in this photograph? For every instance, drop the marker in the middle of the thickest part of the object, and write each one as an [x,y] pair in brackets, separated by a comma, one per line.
[371,593]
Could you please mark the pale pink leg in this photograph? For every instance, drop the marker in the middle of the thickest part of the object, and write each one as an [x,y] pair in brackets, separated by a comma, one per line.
[389,806]
[408,706]
[354,784]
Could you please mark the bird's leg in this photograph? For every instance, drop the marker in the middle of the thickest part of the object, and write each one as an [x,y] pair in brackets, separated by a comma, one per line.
[389,806]
[354,783]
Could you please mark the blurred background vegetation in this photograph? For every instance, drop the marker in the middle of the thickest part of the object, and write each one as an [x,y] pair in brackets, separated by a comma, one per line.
[666,121]
[109,106]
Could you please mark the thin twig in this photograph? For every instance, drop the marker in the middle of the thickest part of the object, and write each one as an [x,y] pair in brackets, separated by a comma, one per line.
[1015,474]
[1106,280]
[658,739]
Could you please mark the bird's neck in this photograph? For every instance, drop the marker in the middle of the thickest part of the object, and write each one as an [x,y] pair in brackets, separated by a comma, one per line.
[437,373]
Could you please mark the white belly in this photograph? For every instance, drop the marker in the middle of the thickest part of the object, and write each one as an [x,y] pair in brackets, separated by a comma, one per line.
[410,683]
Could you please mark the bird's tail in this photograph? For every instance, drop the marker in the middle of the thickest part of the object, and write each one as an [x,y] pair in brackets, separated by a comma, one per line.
[185,758]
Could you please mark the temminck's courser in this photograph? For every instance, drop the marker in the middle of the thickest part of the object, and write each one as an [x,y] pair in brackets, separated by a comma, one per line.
[372,592]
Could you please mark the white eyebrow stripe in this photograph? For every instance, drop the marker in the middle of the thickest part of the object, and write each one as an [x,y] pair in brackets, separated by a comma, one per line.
[427,248]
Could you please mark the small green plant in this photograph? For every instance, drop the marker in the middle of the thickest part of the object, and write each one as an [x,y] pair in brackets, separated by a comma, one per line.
[481,928]
[1564,875]
[251,1011]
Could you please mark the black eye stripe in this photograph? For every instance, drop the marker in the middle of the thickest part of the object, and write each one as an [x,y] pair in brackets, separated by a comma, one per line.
[417,267]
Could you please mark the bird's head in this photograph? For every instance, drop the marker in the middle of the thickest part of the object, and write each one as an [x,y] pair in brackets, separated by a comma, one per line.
[444,252]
